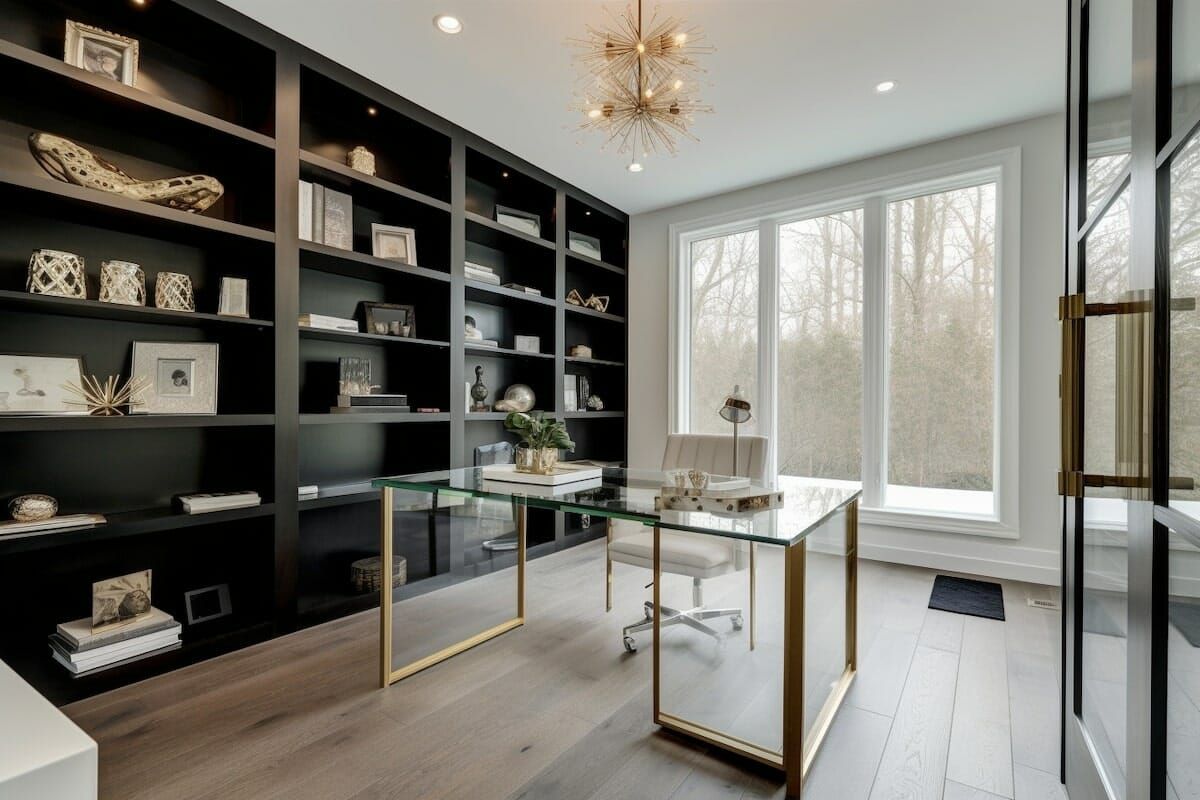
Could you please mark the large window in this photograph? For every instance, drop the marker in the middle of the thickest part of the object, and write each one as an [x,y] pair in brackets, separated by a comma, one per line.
[869,335]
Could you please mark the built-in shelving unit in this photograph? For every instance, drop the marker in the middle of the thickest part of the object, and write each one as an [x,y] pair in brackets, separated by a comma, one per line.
[220,95]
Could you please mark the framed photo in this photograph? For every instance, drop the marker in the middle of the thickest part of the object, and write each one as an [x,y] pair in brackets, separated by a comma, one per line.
[182,377]
[211,602]
[388,319]
[393,243]
[235,299]
[116,601]
[101,52]
[584,245]
[354,376]
[522,221]
[34,384]
[337,224]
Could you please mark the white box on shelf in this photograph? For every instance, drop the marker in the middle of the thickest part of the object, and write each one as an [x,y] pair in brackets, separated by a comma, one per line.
[527,344]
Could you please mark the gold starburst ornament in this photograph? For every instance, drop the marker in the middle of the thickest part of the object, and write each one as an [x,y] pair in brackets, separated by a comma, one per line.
[641,80]
[106,399]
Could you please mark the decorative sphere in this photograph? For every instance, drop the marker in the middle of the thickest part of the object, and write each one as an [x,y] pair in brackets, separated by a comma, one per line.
[33,507]
[517,397]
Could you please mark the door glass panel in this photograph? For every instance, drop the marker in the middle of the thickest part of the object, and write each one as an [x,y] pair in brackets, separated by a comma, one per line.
[1109,77]
[724,326]
[1183,668]
[1105,559]
[1185,325]
[1185,67]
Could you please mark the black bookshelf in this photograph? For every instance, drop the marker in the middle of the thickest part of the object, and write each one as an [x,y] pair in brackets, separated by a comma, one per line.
[221,95]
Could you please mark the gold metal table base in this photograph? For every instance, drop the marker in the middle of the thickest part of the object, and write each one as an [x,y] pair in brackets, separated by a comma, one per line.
[800,747]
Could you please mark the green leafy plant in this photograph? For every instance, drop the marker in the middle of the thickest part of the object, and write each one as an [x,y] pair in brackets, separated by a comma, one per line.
[539,431]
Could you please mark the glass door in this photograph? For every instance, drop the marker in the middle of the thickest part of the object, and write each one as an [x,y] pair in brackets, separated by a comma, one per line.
[1131,403]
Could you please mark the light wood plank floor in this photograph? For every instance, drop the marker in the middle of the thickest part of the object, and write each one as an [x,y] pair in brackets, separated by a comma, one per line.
[945,706]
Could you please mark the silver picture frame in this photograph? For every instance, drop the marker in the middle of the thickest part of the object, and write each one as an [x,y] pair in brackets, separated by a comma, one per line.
[181,376]
[394,243]
[518,220]
[101,52]
[34,385]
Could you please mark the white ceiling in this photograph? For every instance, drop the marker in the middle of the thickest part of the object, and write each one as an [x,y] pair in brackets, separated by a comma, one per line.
[792,80]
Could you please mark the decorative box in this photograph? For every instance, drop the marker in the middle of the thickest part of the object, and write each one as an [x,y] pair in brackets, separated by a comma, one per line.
[362,160]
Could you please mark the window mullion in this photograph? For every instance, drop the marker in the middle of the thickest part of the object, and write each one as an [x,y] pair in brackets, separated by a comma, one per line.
[874,379]
[768,339]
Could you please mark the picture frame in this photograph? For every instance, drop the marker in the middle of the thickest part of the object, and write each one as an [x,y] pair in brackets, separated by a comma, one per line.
[584,245]
[235,298]
[209,603]
[34,385]
[354,376]
[101,52]
[388,319]
[337,218]
[181,376]
[120,600]
[394,243]
[519,220]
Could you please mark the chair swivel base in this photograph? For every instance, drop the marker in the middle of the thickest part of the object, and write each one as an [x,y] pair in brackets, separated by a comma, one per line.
[693,618]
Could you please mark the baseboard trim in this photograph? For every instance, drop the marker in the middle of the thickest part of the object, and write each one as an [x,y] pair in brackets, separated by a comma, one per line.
[974,565]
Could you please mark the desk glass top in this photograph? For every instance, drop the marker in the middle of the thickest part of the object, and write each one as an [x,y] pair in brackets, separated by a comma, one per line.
[629,494]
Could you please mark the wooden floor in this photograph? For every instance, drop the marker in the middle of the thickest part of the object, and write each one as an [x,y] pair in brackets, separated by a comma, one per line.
[944,706]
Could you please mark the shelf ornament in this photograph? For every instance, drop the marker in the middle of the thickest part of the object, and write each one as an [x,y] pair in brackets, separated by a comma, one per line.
[106,399]
[73,163]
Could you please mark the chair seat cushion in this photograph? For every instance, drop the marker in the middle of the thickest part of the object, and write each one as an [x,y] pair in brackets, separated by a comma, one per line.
[688,552]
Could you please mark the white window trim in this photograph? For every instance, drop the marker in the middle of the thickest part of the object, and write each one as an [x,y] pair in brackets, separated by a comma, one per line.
[1004,167]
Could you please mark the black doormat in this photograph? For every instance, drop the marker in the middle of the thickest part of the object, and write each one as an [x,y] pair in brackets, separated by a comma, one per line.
[1185,616]
[965,596]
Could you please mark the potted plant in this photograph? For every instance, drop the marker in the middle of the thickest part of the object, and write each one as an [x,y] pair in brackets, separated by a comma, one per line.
[541,439]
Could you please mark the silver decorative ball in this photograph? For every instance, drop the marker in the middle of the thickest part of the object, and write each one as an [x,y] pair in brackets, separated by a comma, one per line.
[32,507]
[517,397]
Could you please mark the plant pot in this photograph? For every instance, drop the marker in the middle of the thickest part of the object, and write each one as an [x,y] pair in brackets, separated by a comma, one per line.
[537,460]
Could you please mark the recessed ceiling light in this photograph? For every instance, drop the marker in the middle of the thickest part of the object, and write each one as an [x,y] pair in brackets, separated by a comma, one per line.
[372,110]
[883,87]
[587,213]
[447,23]
[635,167]
[503,174]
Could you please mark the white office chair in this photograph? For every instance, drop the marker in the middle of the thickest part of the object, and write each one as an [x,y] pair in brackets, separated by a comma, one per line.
[695,555]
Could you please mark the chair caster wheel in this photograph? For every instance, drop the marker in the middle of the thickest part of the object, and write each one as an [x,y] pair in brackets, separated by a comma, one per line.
[630,645]
[649,615]
[737,622]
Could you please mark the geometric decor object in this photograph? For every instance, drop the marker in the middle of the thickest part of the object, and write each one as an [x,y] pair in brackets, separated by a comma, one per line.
[640,82]
[106,399]
[73,163]
[360,159]
[57,273]
[122,282]
[173,291]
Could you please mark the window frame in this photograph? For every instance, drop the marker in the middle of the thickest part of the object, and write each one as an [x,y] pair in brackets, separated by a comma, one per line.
[872,196]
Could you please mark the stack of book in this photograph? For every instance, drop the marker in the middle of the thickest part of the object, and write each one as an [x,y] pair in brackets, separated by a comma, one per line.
[217,501]
[328,323]
[77,648]
[478,272]
[367,403]
[518,287]
[65,522]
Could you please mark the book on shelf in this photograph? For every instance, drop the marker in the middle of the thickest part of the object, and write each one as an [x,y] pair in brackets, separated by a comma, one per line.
[483,277]
[369,409]
[75,647]
[471,266]
[518,287]
[482,343]
[308,492]
[325,322]
[63,523]
[356,400]
[570,392]
[306,211]
[217,501]
[79,637]
[585,390]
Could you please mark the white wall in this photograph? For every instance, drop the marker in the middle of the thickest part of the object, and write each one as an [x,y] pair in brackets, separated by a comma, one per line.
[1034,556]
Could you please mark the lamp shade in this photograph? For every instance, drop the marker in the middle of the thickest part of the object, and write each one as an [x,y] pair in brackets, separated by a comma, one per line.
[736,407]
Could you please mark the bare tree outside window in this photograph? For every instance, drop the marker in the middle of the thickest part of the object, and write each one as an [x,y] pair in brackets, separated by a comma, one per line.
[942,350]
[820,346]
[724,326]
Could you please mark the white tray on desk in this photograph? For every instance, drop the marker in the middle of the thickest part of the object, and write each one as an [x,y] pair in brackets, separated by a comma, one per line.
[562,475]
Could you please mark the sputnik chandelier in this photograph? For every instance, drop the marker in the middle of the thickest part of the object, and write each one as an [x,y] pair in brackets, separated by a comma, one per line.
[640,84]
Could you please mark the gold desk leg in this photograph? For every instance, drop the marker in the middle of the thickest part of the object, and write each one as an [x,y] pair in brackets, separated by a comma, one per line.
[793,666]
[753,592]
[521,510]
[657,576]
[385,586]
[852,586]
[608,564]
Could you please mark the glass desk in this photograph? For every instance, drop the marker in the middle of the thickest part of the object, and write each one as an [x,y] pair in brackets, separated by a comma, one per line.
[772,701]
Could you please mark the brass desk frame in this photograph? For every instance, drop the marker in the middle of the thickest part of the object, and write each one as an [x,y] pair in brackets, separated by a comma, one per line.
[799,747]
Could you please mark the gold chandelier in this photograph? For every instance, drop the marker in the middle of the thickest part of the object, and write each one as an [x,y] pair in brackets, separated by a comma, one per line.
[640,82]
